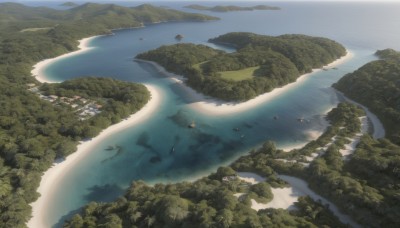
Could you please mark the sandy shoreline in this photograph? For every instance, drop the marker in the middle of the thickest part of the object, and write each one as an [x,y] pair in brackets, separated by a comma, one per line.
[378,129]
[214,107]
[50,177]
[38,68]
[286,197]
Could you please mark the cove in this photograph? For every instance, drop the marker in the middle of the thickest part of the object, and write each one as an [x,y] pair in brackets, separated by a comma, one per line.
[162,148]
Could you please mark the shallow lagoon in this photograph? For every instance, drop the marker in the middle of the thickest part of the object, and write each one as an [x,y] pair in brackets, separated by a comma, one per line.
[163,149]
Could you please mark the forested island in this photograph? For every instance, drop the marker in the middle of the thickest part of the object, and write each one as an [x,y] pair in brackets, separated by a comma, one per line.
[376,85]
[260,64]
[69,4]
[220,8]
[33,131]
[364,185]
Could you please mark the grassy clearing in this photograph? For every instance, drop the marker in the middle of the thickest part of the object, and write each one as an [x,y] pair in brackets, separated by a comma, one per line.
[239,75]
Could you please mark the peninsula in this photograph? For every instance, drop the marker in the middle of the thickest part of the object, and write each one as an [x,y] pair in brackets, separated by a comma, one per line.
[229,8]
[376,85]
[260,64]
[50,120]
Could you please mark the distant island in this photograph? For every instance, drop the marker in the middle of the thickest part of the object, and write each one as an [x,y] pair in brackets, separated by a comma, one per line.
[229,8]
[69,4]
[260,64]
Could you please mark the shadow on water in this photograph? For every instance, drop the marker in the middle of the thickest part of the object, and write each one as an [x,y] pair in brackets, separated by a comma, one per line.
[180,118]
[104,193]
[143,141]
[119,151]
[64,218]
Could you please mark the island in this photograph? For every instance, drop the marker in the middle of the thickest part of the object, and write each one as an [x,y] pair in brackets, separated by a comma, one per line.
[69,4]
[260,64]
[39,122]
[229,8]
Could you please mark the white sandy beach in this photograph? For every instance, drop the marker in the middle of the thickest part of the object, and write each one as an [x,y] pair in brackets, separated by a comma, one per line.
[216,107]
[38,68]
[286,197]
[379,130]
[50,177]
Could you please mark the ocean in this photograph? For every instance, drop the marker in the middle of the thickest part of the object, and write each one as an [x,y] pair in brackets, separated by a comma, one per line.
[162,148]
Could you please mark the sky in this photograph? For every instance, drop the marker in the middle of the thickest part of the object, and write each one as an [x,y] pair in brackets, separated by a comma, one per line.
[206,0]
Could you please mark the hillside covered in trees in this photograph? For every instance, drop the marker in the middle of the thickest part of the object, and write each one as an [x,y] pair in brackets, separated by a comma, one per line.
[260,64]
[376,85]
[33,132]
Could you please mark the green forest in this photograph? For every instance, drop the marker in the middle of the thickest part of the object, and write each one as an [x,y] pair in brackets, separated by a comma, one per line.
[376,85]
[34,132]
[270,62]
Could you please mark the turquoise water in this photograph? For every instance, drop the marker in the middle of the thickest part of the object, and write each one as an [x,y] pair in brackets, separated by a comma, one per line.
[147,148]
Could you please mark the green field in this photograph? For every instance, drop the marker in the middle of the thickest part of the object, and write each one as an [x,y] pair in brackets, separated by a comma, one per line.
[239,75]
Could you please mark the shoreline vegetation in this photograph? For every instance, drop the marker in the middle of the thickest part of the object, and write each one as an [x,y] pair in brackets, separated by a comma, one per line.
[225,194]
[46,131]
[216,107]
[375,85]
[38,68]
[55,173]
[260,64]
[50,178]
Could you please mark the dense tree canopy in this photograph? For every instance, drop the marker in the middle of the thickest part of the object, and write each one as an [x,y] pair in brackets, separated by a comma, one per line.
[271,62]
[376,85]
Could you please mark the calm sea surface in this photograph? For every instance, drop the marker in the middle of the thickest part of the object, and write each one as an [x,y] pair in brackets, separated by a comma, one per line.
[103,175]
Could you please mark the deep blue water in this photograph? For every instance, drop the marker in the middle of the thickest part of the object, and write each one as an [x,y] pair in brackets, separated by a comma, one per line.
[103,175]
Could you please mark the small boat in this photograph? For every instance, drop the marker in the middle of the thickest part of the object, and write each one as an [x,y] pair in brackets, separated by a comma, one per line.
[301,120]
[192,125]
[179,37]
[110,148]
[276,117]
[236,129]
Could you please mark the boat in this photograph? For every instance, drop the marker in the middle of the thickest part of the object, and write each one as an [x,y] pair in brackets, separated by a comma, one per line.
[110,148]
[301,120]
[178,37]
[192,125]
